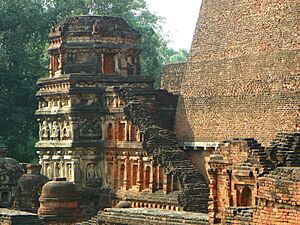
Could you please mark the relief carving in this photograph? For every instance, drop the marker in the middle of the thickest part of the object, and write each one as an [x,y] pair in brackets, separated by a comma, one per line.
[69,172]
[66,131]
[92,177]
[55,131]
[45,131]
[91,129]
[49,171]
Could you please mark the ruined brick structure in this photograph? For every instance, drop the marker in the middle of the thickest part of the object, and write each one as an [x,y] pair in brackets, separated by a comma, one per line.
[29,188]
[278,197]
[245,186]
[86,136]
[242,77]
[10,172]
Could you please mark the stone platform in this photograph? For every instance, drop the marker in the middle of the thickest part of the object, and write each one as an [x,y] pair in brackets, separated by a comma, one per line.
[135,216]
[15,217]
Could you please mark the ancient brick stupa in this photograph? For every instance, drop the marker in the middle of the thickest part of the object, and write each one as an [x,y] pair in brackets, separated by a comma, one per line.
[242,77]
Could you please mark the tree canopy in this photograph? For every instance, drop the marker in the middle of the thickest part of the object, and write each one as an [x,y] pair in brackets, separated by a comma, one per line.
[24,28]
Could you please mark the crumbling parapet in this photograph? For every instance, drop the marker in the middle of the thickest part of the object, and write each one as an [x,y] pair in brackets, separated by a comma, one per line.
[278,198]
[246,187]
[162,145]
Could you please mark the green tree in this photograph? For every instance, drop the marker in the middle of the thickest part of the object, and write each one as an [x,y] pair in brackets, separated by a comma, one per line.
[173,56]
[22,59]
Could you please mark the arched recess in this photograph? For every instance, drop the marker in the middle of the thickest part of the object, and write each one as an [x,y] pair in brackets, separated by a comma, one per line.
[147,177]
[134,174]
[246,197]
[121,131]
[175,183]
[109,132]
[122,175]
[5,197]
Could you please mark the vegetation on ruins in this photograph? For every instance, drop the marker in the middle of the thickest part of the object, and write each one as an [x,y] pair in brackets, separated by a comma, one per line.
[24,27]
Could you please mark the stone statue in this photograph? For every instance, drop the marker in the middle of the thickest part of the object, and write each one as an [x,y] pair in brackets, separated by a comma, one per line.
[57,170]
[66,131]
[91,172]
[45,132]
[55,131]
[49,171]
[92,178]
[69,172]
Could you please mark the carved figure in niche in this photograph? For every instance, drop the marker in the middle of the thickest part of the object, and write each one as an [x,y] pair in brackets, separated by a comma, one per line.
[94,28]
[57,170]
[55,131]
[49,171]
[92,177]
[110,102]
[56,63]
[130,66]
[59,103]
[69,172]
[70,57]
[45,131]
[66,131]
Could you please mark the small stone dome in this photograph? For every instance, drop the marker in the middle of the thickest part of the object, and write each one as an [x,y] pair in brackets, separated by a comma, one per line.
[59,203]
[59,188]
[124,204]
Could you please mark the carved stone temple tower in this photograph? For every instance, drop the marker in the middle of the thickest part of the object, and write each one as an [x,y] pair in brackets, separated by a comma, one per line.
[84,134]
[87,54]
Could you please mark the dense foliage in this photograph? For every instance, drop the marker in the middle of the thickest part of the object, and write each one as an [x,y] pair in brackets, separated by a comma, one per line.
[24,27]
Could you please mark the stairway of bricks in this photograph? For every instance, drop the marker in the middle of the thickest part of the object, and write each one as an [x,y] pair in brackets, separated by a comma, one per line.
[162,145]
[285,149]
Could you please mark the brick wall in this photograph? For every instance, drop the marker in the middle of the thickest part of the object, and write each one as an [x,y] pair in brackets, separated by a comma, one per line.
[239,216]
[172,75]
[243,72]
[278,198]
